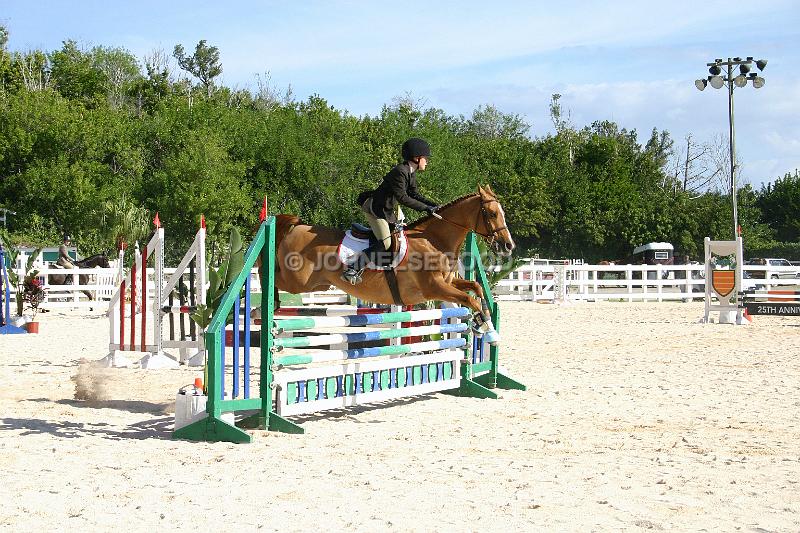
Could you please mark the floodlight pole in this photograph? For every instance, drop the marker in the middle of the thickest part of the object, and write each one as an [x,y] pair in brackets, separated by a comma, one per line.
[716,81]
[732,137]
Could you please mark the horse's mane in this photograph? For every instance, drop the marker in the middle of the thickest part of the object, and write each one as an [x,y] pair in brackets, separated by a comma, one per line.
[285,222]
[98,259]
[426,218]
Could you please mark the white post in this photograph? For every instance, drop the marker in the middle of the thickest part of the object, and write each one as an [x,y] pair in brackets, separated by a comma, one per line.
[629,281]
[157,358]
[115,305]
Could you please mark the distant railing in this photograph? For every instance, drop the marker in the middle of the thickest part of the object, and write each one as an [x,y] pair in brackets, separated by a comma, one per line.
[529,283]
[626,282]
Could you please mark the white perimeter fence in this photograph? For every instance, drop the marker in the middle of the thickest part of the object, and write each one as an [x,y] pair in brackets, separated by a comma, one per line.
[592,283]
[546,283]
[101,283]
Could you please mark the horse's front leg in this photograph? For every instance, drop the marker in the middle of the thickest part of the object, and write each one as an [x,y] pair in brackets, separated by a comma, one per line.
[86,281]
[436,288]
[476,288]
[482,321]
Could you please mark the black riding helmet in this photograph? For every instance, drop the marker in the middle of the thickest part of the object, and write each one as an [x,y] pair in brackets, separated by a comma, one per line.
[416,147]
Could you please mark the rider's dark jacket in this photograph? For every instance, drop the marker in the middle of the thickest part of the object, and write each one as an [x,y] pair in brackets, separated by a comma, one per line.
[399,185]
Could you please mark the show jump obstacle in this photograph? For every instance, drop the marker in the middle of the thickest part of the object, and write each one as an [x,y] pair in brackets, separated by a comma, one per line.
[285,384]
[776,302]
[133,295]
[724,283]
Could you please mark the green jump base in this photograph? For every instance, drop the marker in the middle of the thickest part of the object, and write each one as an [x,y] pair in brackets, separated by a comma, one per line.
[272,422]
[214,430]
[502,382]
[472,389]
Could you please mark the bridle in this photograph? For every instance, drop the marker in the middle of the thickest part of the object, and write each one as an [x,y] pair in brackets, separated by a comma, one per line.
[491,236]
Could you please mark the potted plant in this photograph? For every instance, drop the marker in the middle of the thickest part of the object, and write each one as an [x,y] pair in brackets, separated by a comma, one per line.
[33,294]
[15,278]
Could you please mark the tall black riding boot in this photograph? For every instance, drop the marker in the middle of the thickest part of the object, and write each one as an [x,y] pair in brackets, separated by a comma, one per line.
[352,274]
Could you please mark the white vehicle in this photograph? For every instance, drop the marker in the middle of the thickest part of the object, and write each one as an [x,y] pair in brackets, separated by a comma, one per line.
[775,269]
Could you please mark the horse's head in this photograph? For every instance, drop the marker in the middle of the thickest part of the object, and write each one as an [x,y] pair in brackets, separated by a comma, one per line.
[98,260]
[494,222]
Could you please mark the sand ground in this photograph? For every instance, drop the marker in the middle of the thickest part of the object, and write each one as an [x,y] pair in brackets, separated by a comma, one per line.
[636,417]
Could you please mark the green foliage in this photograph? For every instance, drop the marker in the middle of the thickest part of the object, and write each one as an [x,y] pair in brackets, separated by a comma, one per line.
[75,75]
[220,279]
[203,64]
[783,250]
[489,259]
[14,279]
[94,143]
[122,221]
[780,205]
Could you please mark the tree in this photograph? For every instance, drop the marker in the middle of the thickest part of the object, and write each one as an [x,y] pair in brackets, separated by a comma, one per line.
[562,122]
[721,157]
[203,64]
[149,91]
[123,221]
[780,204]
[32,69]
[488,122]
[5,60]
[660,147]
[120,70]
[75,74]
[694,167]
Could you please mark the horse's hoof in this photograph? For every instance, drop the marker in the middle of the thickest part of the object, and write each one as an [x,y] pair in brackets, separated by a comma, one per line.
[493,338]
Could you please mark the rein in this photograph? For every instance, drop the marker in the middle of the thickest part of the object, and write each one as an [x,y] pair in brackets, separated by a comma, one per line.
[490,237]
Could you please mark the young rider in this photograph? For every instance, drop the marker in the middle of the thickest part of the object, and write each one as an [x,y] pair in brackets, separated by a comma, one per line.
[381,206]
[64,260]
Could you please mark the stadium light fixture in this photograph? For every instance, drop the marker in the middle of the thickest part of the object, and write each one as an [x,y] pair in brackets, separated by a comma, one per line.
[719,79]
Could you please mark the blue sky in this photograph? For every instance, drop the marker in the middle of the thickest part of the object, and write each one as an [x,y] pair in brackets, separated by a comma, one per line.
[633,62]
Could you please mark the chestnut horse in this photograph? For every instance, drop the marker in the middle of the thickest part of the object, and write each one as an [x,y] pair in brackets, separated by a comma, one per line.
[305,256]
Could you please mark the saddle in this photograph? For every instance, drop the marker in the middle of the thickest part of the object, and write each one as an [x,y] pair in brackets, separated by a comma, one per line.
[359,237]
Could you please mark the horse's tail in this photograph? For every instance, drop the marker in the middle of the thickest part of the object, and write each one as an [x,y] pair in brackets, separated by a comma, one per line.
[283,225]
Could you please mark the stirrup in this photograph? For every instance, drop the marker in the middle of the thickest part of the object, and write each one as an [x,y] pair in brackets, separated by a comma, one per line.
[478,324]
[352,276]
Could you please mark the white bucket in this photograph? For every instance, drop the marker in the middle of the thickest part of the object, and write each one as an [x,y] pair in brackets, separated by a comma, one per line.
[190,406]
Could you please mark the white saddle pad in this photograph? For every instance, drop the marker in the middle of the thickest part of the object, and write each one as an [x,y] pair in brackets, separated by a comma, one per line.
[350,246]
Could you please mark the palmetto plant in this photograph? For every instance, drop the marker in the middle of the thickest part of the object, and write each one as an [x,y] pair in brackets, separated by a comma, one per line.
[124,221]
[496,268]
[219,279]
[14,278]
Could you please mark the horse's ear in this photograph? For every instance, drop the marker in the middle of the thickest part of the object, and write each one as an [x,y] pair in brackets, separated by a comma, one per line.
[480,188]
[489,189]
